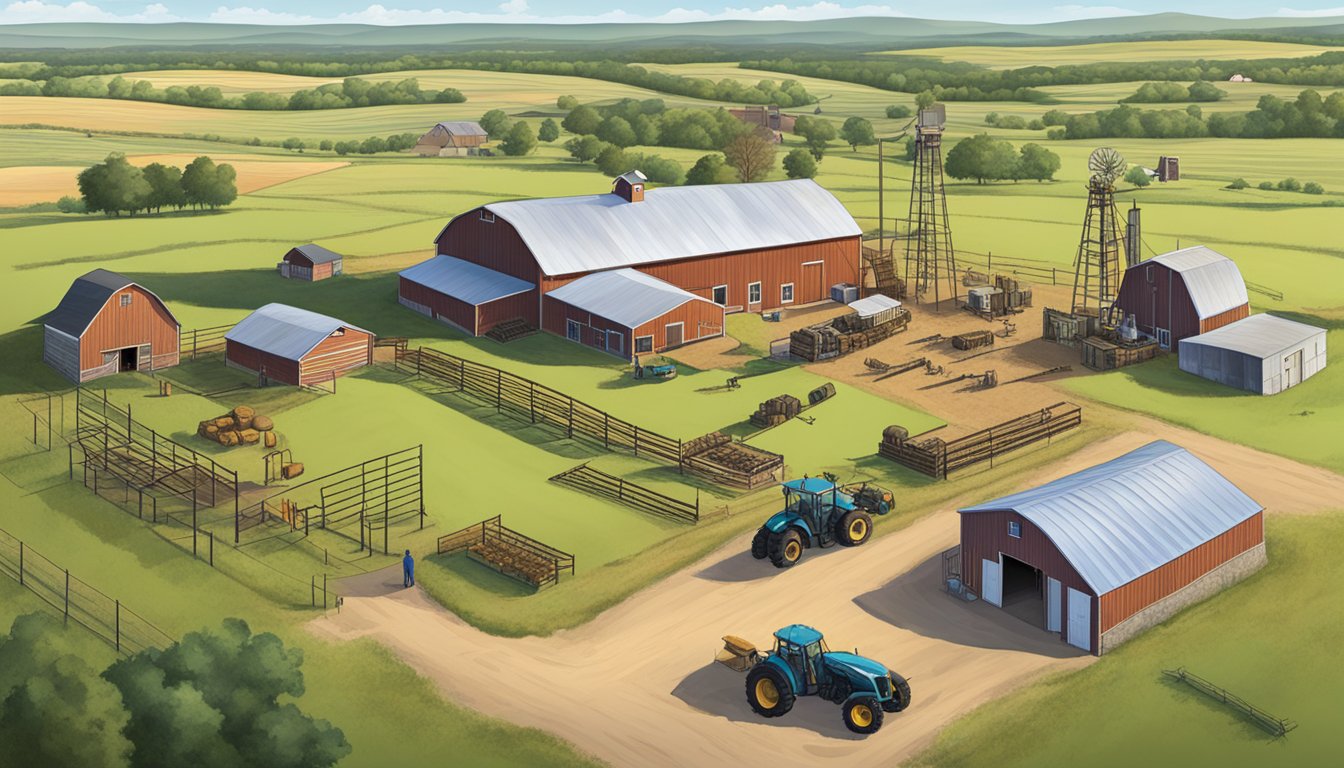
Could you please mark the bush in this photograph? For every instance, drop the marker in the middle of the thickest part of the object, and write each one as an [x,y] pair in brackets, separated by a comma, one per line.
[799,164]
[612,161]
[346,147]
[1011,123]
[585,148]
[566,103]
[325,145]
[899,111]
[1056,134]
[992,118]
[1238,184]
[617,130]
[1036,125]
[1055,117]
[582,120]
[1290,185]
[1137,177]
[711,169]
[293,143]
[70,204]
[1312,188]
[1266,185]
[520,140]
[495,122]
[549,130]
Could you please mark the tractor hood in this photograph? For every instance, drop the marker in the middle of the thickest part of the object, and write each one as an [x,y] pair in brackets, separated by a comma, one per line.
[844,662]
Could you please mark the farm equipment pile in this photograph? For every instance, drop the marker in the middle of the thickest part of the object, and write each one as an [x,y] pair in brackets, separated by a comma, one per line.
[819,513]
[873,319]
[802,665]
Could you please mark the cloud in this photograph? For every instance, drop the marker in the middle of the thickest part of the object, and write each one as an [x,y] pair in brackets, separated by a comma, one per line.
[1075,12]
[37,11]
[1311,13]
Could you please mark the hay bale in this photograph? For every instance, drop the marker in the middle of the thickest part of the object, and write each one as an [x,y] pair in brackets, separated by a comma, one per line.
[895,434]
[268,438]
[224,422]
[229,438]
[211,431]
[249,436]
[244,412]
[262,423]
[291,470]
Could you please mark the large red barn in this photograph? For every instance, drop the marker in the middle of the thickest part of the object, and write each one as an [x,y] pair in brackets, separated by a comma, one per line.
[1183,293]
[746,247]
[106,323]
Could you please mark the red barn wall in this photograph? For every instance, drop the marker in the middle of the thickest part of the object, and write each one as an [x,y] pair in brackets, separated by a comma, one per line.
[459,313]
[518,306]
[496,245]
[252,359]
[1164,302]
[145,321]
[336,355]
[1225,318]
[701,321]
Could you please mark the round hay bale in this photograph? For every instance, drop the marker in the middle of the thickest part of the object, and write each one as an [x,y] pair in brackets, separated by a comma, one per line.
[895,434]
[211,430]
[262,423]
[269,439]
[249,436]
[244,412]
[228,438]
[224,422]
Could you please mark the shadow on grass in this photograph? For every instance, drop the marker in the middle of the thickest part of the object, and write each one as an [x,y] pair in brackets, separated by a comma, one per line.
[1240,723]
[23,370]
[473,574]
[718,691]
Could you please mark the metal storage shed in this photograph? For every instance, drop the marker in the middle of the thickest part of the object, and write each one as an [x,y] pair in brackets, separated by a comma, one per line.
[627,312]
[294,346]
[469,296]
[1262,353]
[1103,554]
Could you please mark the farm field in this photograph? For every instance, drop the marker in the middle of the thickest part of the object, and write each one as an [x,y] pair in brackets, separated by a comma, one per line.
[1010,57]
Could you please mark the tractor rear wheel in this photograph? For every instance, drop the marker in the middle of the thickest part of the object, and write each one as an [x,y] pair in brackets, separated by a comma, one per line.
[854,528]
[863,715]
[786,548]
[768,691]
[760,544]
[900,695]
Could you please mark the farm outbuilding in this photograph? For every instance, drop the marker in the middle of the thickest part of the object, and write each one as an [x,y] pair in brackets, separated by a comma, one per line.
[451,139]
[626,312]
[745,247]
[311,262]
[107,323]
[1183,293]
[289,345]
[1103,554]
[1262,354]
[466,295]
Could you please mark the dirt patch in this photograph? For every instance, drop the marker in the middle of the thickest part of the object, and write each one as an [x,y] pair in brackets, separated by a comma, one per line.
[729,352]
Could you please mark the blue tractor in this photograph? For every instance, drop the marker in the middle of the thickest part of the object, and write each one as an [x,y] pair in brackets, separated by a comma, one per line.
[819,513]
[802,665]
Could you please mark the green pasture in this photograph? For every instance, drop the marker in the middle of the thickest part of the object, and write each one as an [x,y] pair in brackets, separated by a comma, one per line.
[1012,57]
[1123,711]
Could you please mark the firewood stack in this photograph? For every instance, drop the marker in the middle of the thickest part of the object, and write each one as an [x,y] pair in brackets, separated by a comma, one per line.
[241,426]
[776,410]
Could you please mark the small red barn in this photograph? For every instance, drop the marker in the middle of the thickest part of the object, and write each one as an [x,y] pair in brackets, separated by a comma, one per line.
[289,345]
[466,295]
[106,323]
[1183,293]
[626,312]
[311,262]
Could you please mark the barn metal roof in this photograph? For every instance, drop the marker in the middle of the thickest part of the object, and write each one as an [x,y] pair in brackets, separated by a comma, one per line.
[464,280]
[317,254]
[1213,280]
[285,331]
[1117,521]
[86,297]
[1258,335]
[624,296]
[875,304]
[464,128]
[567,235]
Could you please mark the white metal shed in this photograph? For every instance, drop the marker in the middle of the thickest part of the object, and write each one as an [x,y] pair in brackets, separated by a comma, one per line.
[1262,353]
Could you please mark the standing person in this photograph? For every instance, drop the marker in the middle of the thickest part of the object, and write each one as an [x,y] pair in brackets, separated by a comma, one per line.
[408,570]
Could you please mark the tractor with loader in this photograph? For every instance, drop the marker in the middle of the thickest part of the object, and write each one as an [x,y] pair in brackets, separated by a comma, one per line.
[802,665]
[818,512]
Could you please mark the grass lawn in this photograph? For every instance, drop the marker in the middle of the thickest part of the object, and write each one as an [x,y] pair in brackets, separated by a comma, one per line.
[1122,711]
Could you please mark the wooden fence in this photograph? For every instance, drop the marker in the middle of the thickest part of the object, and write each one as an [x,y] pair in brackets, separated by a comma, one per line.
[938,458]
[1275,725]
[201,341]
[509,552]
[598,483]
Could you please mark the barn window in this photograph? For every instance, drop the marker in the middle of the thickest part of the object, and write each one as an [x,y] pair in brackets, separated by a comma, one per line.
[338,332]
[125,299]
[786,293]
[487,216]
[753,293]
[1014,529]
[616,342]
[643,344]
[1148,273]
[599,338]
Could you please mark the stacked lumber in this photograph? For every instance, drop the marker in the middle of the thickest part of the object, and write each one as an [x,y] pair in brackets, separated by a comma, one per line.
[515,560]
[1015,295]
[776,410]
[241,426]
[846,334]
[973,340]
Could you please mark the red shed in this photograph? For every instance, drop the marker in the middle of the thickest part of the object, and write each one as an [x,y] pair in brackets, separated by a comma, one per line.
[1183,293]
[625,313]
[106,323]
[466,295]
[294,346]
[311,262]
[1106,553]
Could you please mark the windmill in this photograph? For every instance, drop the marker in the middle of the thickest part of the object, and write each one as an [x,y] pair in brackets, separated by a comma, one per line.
[930,263]
[1096,278]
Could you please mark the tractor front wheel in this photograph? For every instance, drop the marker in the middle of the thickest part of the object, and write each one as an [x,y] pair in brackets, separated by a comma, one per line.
[786,548]
[768,691]
[900,695]
[760,544]
[863,715]
[854,528]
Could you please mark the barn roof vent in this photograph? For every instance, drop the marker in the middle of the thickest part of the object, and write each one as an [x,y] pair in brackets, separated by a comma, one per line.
[630,186]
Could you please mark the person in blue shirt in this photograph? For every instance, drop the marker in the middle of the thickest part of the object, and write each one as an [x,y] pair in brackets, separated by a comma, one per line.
[408,570]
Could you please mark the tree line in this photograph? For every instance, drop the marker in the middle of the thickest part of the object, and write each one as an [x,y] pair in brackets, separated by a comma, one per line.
[1307,116]
[353,92]
[985,158]
[217,699]
[115,186]
[1168,92]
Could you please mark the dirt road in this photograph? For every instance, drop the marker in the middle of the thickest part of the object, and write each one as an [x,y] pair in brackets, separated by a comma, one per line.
[637,685]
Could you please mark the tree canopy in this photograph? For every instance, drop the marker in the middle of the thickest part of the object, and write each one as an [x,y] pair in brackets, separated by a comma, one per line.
[752,155]
[858,132]
[985,158]
[799,164]
[711,169]
[520,140]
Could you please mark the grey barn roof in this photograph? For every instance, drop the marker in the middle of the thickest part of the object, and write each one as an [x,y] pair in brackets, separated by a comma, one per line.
[317,254]
[464,128]
[1258,335]
[86,297]
[624,296]
[1213,280]
[1117,521]
[568,235]
[285,331]
[464,280]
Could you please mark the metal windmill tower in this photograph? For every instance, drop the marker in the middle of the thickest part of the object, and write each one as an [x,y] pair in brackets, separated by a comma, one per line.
[930,263]
[1096,278]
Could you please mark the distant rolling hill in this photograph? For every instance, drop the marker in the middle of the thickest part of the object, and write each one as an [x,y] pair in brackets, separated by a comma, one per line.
[867,33]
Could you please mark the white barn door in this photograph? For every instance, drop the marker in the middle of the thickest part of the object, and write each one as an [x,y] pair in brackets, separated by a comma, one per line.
[991,582]
[1053,604]
[1080,620]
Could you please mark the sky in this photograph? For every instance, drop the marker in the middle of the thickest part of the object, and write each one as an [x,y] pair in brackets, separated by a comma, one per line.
[391,12]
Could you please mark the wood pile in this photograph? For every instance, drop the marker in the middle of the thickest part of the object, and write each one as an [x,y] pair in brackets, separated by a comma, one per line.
[776,410]
[1015,295]
[846,334]
[514,560]
[973,340]
[241,426]
[739,465]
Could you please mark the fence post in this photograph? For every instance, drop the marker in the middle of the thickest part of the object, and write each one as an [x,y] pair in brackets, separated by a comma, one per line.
[569,429]
[67,596]
[118,625]
[636,440]
[324,591]
[212,548]
[312,591]
[20,563]
[532,400]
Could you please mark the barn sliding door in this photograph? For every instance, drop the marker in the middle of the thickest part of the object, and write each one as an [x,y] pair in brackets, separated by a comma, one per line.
[991,582]
[1053,604]
[1080,620]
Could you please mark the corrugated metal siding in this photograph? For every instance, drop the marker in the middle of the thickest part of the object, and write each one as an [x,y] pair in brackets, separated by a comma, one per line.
[275,368]
[441,307]
[522,306]
[495,245]
[336,354]
[145,321]
[285,331]
[1224,318]
[1262,335]
[1229,368]
[61,351]
[464,280]
[1127,600]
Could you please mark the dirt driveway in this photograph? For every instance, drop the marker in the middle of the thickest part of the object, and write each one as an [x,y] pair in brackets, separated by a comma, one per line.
[637,685]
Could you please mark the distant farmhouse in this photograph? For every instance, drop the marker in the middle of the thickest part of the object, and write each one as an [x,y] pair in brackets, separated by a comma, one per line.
[769,118]
[636,272]
[311,262]
[453,139]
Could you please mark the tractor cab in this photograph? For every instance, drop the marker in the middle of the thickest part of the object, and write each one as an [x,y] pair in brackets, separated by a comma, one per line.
[801,648]
[814,500]
[819,513]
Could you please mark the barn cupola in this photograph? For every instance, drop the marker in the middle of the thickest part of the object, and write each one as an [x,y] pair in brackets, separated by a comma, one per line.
[630,186]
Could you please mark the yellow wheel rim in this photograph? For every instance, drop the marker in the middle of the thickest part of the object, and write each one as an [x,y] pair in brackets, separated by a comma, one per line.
[793,550]
[861,715]
[767,695]
[858,528]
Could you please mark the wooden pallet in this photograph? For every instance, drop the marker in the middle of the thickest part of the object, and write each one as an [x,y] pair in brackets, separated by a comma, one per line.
[510,330]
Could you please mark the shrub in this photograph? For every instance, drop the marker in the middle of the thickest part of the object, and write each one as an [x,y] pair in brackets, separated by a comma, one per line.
[325,145]
[549,130]
[1266,185]
[1137,177]
[1056,134]
[1290,185]
[566,103]
[1238,184]
[70,204]
[1036,125]
[1055,117]
[520,140]
[799,164]
[1312,188]
[711,169]
[898,111]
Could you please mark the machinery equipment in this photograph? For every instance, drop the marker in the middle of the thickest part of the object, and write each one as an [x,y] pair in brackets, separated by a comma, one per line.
[819,513]
[802,665]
